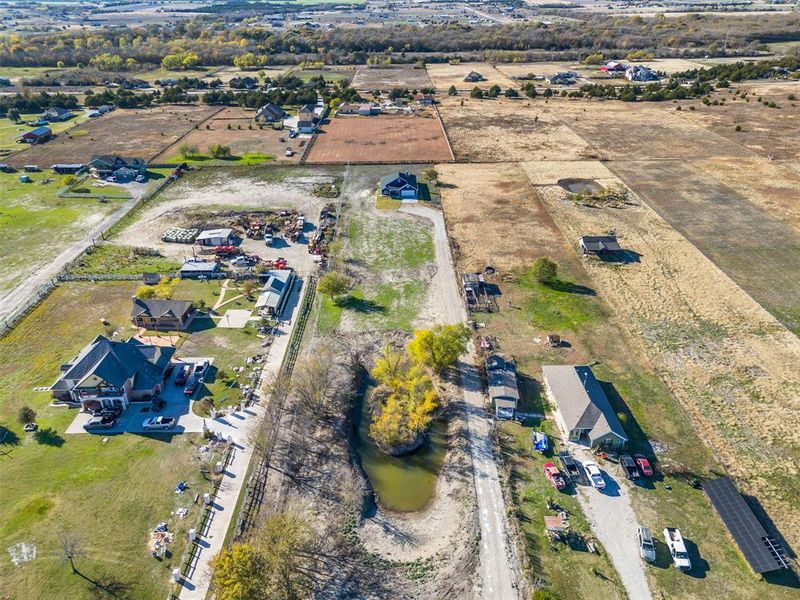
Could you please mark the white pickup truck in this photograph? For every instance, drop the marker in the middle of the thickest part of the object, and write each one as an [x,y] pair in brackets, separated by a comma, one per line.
[677,548]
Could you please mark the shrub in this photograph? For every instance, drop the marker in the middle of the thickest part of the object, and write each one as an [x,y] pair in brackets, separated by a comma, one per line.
[26,415]
[738,128]
[220,151]
[545,270]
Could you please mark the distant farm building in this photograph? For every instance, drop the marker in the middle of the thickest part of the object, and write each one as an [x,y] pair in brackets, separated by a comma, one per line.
[196,269]
[501,372]
[167,315]
[599,244]
[36,136]
[473,77]
[68,168]
[641,73]
[216,237]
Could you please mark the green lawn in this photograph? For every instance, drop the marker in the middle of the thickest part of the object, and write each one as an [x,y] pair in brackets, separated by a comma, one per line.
[110,494]
[9,131]
[567,572]
[36,225]
[121,260]
[329,314]
[247,159]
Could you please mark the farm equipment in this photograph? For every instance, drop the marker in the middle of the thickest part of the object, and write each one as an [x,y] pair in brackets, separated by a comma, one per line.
[477,293]
[227,251]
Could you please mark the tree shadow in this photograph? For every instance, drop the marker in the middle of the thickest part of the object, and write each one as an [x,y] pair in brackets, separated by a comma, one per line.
[568,287]
[48,437]
[106,586]
[361,305]
[8,437]
[638,442]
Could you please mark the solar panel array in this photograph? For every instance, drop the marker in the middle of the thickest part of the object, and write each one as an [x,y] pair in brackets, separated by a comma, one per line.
[760,550]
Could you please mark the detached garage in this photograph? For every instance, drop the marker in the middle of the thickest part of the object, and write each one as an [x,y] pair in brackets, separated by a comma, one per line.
[215,237]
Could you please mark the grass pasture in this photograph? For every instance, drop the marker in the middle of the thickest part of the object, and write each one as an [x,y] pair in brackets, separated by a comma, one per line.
[109,494]
[369,78]
[36,225]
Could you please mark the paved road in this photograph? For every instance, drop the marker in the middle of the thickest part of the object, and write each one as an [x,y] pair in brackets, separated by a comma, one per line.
[498,571]
[239,425]
[41,274]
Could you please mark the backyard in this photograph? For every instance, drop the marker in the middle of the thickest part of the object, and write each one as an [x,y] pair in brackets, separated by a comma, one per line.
[108,492]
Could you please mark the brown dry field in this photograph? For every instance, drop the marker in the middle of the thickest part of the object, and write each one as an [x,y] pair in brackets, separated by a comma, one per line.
[728,361]
[142,133]
[443,75]
[502,130]
[765,130]
[384,78]
[241,141]
[381,139]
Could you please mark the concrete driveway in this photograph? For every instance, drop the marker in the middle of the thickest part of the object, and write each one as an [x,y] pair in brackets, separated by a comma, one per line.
[178,406]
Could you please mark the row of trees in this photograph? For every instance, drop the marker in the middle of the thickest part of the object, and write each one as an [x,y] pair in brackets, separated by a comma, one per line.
[27,103]
[213,41]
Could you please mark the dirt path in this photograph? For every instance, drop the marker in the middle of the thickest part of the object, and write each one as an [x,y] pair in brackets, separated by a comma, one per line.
[499,571]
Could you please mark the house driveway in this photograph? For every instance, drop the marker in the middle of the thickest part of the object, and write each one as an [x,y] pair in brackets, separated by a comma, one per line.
[178,406]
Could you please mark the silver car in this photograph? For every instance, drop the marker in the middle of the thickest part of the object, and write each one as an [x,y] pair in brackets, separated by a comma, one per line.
[647,549]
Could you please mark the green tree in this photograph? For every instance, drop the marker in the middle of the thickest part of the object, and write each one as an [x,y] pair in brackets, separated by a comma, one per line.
[219,151]
[593,59]
[512,93]
[545,270]
[238,573]
[334,284]
[13,115]
[476,92]
[188,151]
[494,91]
[438,348]
[452,91]
[26,415]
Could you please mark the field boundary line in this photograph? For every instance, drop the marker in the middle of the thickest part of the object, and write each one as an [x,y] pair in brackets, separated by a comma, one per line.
[444,131]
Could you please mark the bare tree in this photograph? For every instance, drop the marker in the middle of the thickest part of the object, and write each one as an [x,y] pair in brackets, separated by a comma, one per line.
[71,548]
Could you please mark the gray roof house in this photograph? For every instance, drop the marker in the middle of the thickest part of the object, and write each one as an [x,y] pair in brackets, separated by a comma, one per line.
[270,113]
[215,237]
[501,372]
[599,244]
[111,374]
[473,77]
[109,164]
[56,113]
[584,413]
[276,291]
[168,315]
[562,78]
[400,185]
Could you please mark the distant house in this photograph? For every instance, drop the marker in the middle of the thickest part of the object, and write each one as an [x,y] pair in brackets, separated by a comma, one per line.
[105,108]
[36,136]
[614,68]
[599,244]
[6,168]
[196,269]
[93,114]
[367,109]
[306,119]
[424,99]
[562,78]
[68,168]
[109,374]
[243,83]
[167,82]
[168,315]
[56,113]
[473,77]
[216,237]
[641,73]
[270,113]
[400,186]
[5,82]
[584,413]
[123,169]
[348,108]
[502,375]
[276,291]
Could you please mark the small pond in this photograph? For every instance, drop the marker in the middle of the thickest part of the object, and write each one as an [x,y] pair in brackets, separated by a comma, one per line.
[580,186]
[401,483]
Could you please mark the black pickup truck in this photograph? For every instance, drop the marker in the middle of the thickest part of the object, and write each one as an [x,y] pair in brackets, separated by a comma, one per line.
[630,467]
[570,465]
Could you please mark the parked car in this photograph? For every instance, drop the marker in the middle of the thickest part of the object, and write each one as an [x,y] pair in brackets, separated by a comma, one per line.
[629,465]
[594,475]
[677,548]
[570,465]
[554,476]
[643,464]
[191,386]
[183,375]
[647,548]
[201,369]
[100,423]
[29,427]
[159,423]
[240,261]
[268,239]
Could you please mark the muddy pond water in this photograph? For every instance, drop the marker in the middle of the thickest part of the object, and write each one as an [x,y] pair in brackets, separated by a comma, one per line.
[401,483]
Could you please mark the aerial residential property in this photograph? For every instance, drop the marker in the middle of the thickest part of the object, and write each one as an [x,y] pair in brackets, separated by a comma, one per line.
[399,299]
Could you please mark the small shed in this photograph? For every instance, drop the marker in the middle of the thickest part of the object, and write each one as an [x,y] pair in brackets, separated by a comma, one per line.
[599,244]
[36,136]
[195,269]
[216,237]
[68,168]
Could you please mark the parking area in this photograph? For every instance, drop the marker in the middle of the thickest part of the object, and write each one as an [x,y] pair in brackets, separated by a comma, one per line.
[178,406]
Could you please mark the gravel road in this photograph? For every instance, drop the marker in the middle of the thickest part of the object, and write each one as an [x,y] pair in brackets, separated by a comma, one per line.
[498,572]
[614,523]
